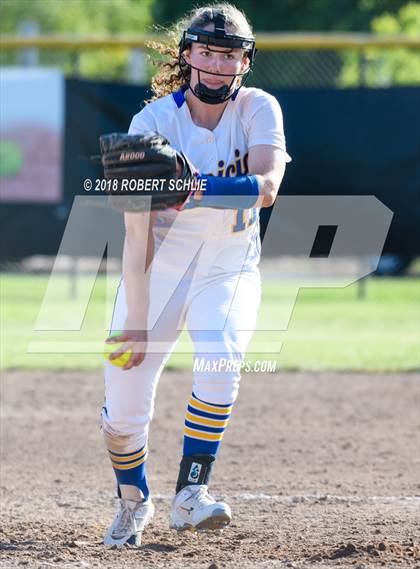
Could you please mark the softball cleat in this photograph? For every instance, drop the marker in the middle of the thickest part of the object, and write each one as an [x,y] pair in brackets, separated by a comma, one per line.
[193,509]
[129,523]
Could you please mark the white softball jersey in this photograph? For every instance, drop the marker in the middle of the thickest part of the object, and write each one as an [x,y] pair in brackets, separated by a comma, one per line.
[253,118]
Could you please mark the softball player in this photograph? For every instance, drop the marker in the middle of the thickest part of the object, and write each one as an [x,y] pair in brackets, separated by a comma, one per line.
[234,136]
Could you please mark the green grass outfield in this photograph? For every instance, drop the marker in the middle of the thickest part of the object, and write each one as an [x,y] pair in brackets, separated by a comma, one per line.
[329,329]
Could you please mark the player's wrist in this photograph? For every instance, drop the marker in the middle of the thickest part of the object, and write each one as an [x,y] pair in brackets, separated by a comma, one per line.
[239,192]
[136,323]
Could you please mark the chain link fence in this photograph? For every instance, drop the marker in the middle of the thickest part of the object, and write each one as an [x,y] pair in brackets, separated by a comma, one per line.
[282,62]
[339,68]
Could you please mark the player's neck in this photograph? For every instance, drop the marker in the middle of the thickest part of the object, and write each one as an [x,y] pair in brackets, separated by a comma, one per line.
[203,115]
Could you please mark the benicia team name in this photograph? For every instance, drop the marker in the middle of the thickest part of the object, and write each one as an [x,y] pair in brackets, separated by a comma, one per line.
[158,185]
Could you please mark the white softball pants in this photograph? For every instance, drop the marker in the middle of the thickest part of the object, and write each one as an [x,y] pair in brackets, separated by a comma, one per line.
[219,312]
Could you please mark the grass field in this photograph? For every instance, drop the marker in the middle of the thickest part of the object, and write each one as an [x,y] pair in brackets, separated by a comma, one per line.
[329,329]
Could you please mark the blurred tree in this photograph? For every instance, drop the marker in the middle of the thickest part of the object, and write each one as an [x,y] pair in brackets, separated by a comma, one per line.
[79,18]
[388,67]
[293,15]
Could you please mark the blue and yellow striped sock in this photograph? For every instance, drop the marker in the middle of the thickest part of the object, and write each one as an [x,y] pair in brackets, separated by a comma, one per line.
[205,424]
[130,469]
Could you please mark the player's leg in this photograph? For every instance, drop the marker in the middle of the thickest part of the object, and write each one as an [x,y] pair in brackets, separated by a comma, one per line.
[221,319]
[128,411]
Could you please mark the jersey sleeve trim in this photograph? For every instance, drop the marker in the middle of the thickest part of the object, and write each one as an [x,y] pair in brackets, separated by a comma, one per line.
[179,96]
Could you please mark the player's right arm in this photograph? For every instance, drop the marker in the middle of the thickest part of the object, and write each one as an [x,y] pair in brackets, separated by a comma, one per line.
[137,257]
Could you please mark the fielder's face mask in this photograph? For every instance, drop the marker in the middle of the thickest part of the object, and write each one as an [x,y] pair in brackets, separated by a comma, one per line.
[214,40]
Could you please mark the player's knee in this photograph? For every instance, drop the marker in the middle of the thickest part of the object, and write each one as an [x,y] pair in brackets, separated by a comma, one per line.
[217,380]
[220,393]
[122,437]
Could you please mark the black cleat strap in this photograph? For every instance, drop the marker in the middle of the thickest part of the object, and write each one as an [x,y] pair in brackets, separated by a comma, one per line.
[194,469]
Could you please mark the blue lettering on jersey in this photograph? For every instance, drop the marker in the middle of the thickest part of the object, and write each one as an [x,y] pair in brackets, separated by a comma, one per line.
[239,167]
[241,222]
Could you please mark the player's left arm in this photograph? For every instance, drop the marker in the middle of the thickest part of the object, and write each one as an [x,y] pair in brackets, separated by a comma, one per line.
[258,188]
[268,164]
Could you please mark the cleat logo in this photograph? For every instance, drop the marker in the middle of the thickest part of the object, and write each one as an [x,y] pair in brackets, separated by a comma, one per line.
[194,474]
[189,510]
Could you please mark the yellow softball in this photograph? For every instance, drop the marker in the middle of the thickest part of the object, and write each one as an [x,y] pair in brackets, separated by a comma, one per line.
[109,349]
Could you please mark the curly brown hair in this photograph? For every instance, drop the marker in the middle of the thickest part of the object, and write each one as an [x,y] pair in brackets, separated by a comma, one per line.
[168,77]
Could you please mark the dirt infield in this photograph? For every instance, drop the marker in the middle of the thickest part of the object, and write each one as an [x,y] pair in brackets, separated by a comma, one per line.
[320,471]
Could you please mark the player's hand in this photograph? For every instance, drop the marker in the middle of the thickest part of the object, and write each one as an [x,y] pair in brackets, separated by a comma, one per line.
[134,340]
